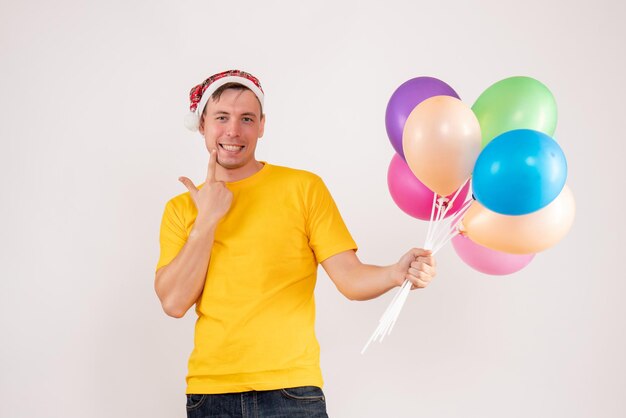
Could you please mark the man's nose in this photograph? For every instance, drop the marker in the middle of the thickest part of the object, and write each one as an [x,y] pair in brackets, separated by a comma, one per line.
[233,128]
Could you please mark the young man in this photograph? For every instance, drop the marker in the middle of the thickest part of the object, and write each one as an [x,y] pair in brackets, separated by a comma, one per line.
[244,248]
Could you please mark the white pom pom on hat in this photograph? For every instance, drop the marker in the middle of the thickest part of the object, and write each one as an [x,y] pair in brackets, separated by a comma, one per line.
[200,94]
[192,121]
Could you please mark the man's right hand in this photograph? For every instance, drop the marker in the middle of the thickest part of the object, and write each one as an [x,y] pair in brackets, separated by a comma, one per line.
[213,200]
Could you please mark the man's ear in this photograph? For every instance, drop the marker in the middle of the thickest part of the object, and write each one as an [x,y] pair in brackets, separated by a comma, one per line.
[262,125]
[201,126]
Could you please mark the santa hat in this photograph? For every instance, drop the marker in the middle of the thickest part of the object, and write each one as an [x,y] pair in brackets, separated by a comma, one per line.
[200,94]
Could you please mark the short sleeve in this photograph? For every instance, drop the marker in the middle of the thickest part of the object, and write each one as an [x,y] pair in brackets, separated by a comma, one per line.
[327,232]
[173,235]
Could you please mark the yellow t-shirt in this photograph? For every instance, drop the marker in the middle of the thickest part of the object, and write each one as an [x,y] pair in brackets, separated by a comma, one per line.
[256,315]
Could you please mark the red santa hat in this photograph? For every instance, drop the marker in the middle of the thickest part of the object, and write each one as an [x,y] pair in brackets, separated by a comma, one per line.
[200,94]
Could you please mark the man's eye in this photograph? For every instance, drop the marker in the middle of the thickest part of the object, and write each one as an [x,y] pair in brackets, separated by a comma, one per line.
[221,118]
[247,119]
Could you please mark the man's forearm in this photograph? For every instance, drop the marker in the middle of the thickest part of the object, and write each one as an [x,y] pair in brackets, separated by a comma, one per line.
[180,283]
[366,281]
[358,281]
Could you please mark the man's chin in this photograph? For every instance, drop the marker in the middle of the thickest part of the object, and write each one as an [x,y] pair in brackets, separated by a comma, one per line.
[230,165]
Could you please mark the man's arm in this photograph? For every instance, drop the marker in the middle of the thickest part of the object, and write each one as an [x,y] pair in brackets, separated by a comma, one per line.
[358,281]
[180,283]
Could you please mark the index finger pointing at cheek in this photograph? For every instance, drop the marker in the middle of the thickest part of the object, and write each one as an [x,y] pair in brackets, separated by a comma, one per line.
[210,175]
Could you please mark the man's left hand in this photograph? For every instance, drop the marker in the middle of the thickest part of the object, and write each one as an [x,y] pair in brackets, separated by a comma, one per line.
[418,266]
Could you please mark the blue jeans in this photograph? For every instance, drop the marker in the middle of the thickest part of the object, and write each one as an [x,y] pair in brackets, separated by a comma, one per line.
[300,402]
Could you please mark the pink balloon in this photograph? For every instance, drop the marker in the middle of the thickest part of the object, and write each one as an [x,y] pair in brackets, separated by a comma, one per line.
[489,261]
[411,195]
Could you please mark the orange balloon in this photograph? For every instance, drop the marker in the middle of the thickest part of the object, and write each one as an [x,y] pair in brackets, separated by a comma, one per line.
[441,141]
[523,234]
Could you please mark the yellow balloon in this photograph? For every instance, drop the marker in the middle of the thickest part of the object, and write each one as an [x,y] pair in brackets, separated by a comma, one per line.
[523,234]
[441,141]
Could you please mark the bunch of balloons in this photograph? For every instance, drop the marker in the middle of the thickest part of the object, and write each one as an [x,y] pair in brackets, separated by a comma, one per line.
[523,205]
[519,203]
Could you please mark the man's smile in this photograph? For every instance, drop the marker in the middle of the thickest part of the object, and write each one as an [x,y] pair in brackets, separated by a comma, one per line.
[232,147]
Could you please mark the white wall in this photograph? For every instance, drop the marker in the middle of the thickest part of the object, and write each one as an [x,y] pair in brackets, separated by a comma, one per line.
[92,97]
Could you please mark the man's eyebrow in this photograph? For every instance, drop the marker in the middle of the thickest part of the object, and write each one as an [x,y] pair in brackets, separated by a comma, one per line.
[223,112]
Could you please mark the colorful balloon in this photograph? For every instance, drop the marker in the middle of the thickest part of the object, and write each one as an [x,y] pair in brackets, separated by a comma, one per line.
[411,195]
[489,261]
[524,234]
[441,142]
[519,172]
[403,101]
[515,103]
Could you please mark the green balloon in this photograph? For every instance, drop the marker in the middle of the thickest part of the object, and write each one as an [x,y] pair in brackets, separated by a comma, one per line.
[515,103]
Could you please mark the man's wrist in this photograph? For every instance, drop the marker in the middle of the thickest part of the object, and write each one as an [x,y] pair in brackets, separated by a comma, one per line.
[204,227]
[393,275]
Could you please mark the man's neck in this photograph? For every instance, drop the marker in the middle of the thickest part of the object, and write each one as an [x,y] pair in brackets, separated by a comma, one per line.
[230,175]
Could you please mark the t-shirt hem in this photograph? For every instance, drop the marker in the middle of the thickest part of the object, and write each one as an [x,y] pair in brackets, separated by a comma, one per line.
[258,386]
[338,249]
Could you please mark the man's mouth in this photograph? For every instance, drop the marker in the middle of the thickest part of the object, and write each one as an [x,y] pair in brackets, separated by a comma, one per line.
[232,148]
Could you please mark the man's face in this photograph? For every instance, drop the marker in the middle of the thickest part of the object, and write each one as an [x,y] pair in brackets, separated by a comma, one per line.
[232,126]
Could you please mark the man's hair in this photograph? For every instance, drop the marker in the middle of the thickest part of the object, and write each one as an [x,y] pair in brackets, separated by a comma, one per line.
[217,94]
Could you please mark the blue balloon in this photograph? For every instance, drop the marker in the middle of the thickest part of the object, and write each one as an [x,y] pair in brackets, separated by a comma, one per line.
[519,172]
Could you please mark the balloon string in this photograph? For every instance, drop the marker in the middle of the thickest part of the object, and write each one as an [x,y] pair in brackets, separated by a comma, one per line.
[451,223]
[385,319]
[430,222]
[447,207]
[457,192]
[389,316]
[435,225]
[463,209]
[458,216]
[456,195]
[392,303]
[452,228]
[400,303]
[436,222]
[445,241]
[433,241]
[391,319]
[440,211]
